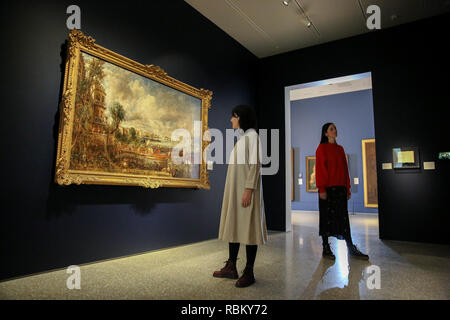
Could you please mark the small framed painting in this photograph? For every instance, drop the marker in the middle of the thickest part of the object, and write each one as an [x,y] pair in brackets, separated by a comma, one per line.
[406,158]
[311,174]
[444,155]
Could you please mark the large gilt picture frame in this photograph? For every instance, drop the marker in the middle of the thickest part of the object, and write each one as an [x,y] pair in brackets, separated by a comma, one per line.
[117,119]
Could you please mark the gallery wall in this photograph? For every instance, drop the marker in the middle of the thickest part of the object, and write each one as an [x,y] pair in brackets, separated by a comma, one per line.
[45,226]
[410,97]
[352,113]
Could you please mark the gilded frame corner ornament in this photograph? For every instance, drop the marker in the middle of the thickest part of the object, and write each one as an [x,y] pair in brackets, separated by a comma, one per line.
[77,43]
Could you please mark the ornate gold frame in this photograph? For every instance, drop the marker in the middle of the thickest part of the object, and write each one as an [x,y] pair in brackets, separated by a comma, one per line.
[63,175]
[308,184]
[364,142]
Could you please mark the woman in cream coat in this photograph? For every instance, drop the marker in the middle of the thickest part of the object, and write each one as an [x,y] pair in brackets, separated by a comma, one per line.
[243,217]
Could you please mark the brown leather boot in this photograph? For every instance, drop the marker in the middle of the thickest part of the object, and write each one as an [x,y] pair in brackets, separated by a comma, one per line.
[247,278]
[229,271]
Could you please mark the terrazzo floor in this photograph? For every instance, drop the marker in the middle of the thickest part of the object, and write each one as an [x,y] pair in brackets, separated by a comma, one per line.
[290,266]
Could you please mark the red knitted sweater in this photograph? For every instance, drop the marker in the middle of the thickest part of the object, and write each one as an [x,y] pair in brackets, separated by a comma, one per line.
[331,167]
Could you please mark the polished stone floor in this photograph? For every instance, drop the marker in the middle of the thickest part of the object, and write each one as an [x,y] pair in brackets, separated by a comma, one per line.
[289,266]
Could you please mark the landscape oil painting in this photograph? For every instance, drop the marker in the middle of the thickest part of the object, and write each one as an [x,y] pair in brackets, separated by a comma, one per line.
[121,122]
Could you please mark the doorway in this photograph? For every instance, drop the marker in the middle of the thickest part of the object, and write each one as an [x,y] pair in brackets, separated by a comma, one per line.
[346,101]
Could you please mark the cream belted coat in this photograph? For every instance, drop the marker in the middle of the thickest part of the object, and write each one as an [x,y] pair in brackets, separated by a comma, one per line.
[238,224]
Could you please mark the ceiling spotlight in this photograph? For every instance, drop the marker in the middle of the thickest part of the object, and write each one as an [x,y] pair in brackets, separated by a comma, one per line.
[309,24]
[286,3]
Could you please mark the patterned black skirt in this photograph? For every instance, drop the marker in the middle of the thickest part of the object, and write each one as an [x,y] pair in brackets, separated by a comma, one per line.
[333,214]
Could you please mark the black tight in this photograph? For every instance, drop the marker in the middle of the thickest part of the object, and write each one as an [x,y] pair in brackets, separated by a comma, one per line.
[250,250]
[325,241]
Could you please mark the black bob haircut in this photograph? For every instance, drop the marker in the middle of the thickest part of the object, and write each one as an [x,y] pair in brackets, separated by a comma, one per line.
[247,117]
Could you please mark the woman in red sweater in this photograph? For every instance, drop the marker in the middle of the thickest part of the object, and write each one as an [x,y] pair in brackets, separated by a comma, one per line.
[333,182]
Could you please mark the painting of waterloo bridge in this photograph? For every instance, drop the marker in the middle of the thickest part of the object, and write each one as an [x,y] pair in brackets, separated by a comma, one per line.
[123,122]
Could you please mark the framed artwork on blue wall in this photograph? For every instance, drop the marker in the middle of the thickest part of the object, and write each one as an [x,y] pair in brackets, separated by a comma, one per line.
[311,174]
[406,158]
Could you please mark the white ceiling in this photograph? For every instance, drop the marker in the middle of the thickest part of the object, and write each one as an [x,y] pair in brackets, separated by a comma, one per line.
[331,86]
[267,27]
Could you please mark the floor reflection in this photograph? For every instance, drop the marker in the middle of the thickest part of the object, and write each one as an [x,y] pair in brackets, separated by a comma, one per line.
[342,278]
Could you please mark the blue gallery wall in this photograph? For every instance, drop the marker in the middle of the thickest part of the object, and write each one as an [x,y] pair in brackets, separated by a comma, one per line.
[352,113]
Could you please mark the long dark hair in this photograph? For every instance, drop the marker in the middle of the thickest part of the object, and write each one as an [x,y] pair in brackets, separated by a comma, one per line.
[324,138]
[247,117]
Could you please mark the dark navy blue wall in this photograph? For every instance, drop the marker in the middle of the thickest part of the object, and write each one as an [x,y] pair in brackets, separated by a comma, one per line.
[45,226]
[352,112]
[409,108]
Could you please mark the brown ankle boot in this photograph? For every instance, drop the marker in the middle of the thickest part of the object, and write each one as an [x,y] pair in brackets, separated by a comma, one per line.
[247,278]
[229,271]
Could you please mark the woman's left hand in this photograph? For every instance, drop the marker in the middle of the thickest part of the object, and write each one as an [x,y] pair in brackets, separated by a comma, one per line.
[349,196]
[247,197]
